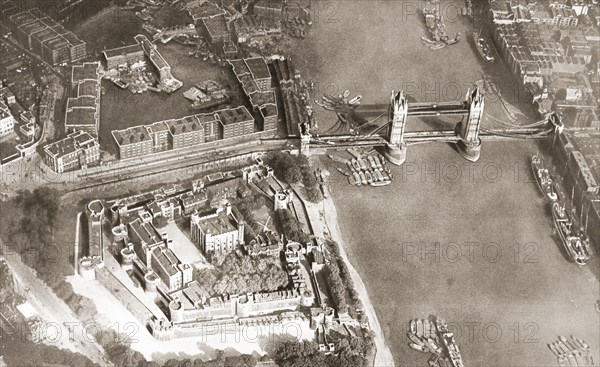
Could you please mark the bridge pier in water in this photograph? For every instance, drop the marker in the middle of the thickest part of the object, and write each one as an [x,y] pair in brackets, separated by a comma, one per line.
[395,149]
[469,144]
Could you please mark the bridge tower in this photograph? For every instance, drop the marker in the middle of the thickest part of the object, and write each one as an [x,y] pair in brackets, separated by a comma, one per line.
[305,144]
[469,144]
[554,119]
[395,150]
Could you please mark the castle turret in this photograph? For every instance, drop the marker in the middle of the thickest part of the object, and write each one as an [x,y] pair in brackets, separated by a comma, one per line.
[119,233]
[127,257]
[87,269]
[176,311]
[151,281]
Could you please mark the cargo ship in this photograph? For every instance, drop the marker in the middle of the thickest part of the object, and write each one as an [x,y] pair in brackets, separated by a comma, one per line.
[449,343]
[575,247]
[543,178]
[482,46]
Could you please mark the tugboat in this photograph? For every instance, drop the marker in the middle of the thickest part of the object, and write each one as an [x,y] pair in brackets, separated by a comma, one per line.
[543,178]
[575,247]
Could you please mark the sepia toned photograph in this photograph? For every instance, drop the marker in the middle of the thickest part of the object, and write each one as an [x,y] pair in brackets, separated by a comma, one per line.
[299,183]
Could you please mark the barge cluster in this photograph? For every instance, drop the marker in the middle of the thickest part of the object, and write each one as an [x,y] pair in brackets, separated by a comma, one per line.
[434,337]
[365,170]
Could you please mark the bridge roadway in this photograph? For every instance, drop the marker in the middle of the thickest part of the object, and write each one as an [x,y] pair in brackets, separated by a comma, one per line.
[419,137]
[417,109]
[199,160]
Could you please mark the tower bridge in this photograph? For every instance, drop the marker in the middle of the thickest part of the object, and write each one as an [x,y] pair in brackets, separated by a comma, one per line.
[467,134]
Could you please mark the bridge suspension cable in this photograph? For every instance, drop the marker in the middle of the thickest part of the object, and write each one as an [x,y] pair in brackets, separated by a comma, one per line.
[533,124]
[515,135]
[372,121]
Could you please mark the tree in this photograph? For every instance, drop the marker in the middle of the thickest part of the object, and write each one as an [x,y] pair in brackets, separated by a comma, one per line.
[287,224]
[285,167]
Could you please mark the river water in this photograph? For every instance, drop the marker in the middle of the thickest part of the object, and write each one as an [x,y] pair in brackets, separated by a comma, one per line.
[471,242]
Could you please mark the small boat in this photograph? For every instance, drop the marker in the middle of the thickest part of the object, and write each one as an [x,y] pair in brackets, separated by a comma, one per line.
[563,348]
[369,177]
[378,163]
[426,329]
[346,94]
[454,40]
[377,176]
[444,362]
[343,172]
[562,362]
[351,180]
[419,328]
[380,183]
[576,342]
[566,342]
[362,163]
[420,348]
[357,179]
[427,40]
[413,327]
[336,158]
[355,101]
[354,152]
[432,345]
[433,360]
[372,162]
[363,178]
[554,350]
[583,344]
[350,167]
[415,339]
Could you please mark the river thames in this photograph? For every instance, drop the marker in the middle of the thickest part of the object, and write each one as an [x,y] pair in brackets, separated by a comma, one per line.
[470,242]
